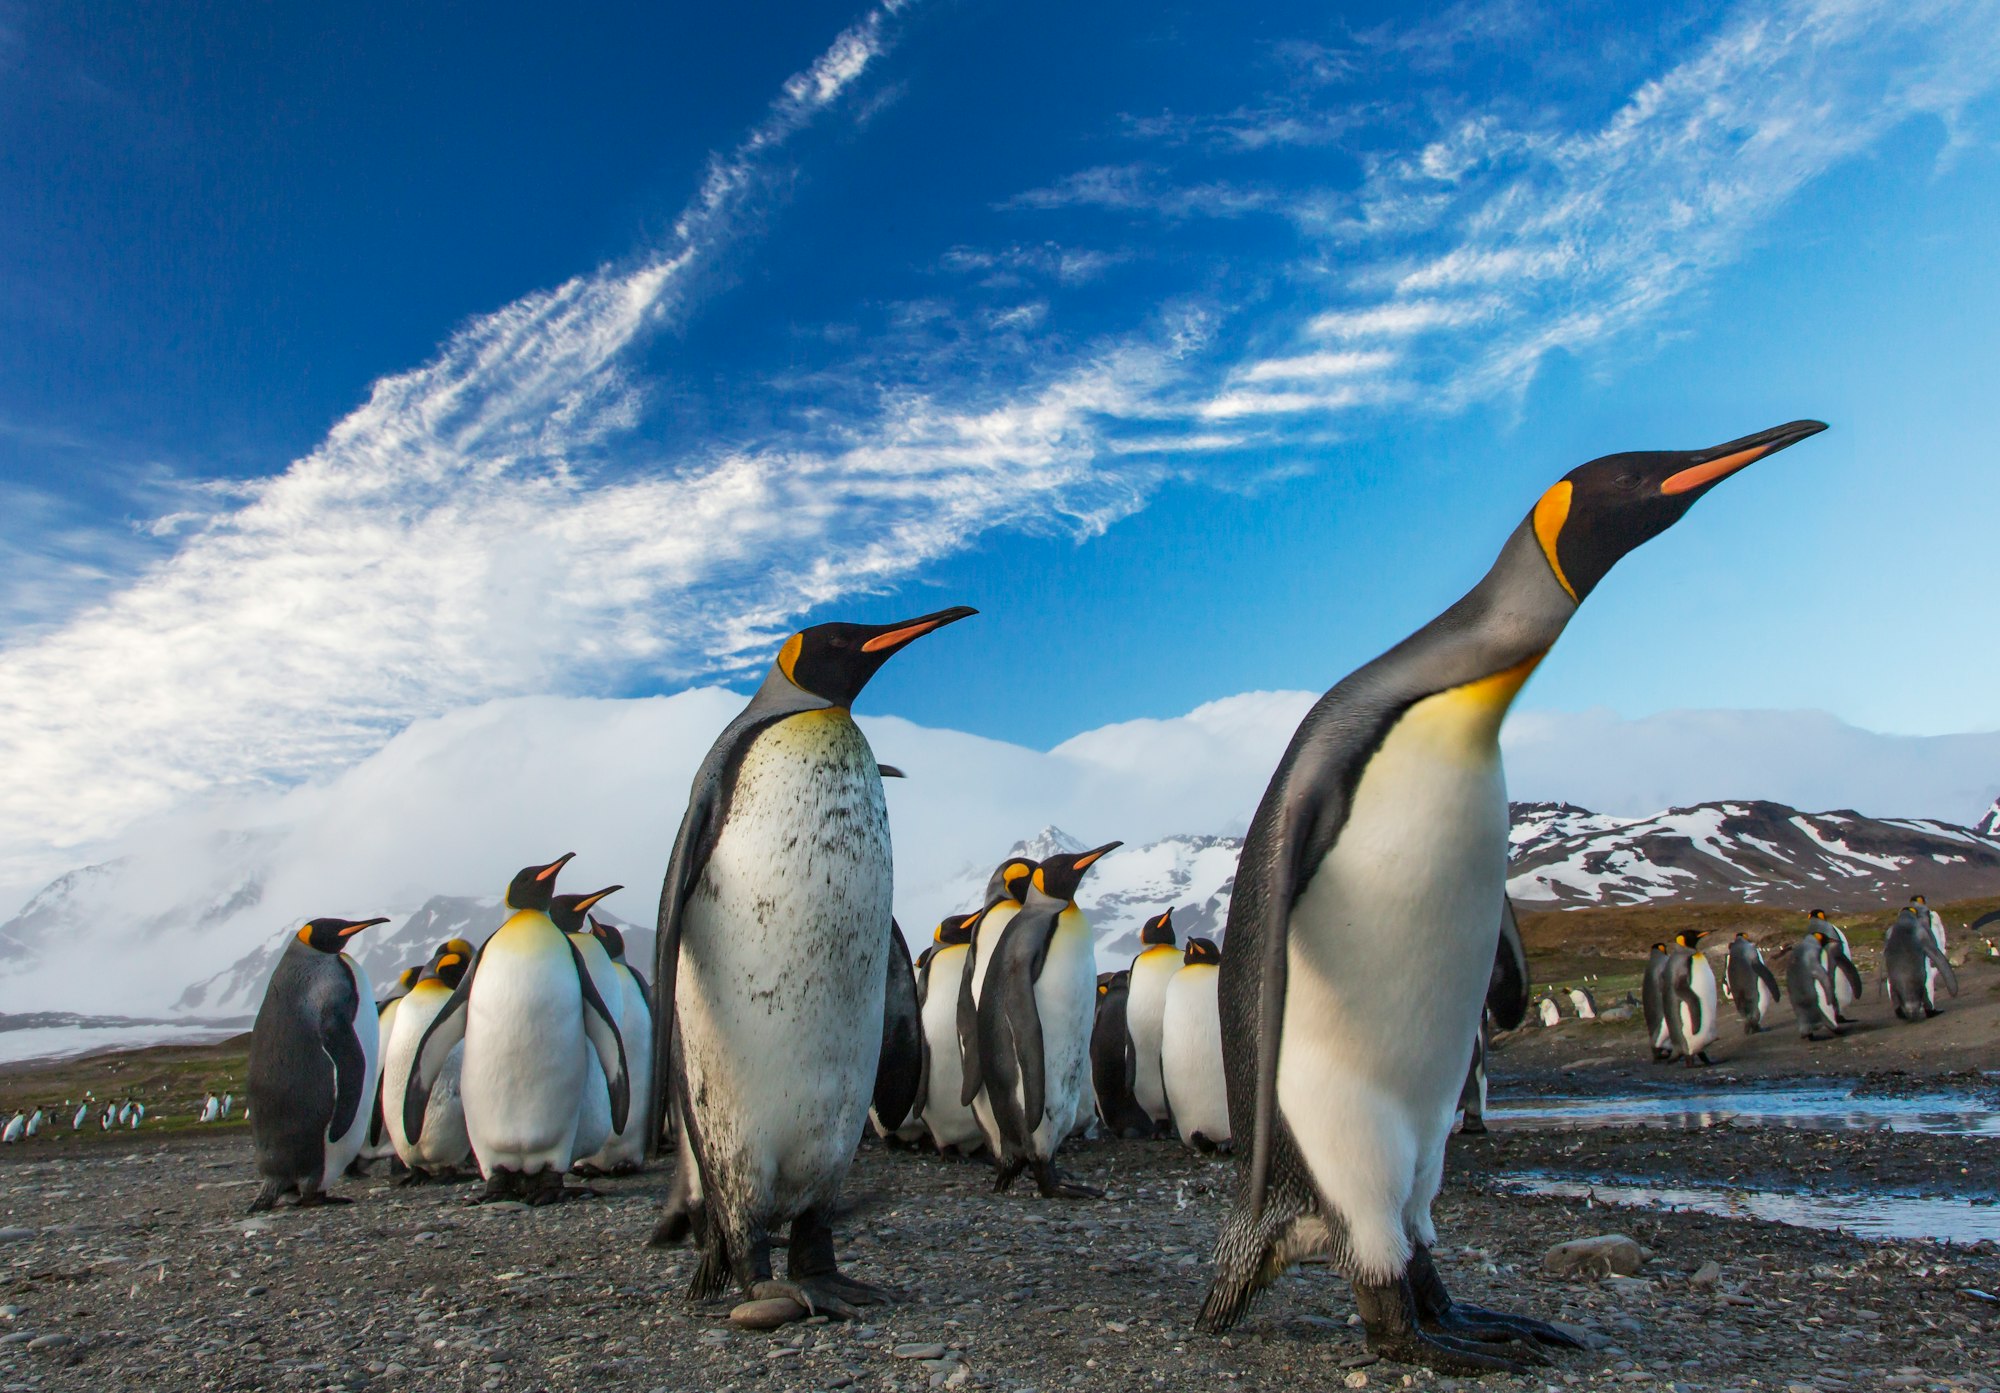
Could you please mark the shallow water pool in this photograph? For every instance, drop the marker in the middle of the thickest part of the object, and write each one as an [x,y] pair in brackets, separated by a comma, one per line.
[1811,1108]
[1866,1216]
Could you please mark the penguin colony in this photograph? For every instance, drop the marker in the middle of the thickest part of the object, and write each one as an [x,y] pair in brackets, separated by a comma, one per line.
[1367,939]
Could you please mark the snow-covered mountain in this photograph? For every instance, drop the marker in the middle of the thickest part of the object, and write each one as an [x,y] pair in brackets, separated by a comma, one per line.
[1755,852]
[1989,825]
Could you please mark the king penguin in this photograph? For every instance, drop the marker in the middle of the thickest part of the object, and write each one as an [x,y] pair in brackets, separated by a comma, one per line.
[1840,964]
[313,1055]
[625,1152]
[526,1011]
[378,1144]
[1655,993]
[1113,1066]
[1691,998]
[1752,984]
[594,1129]
[1156,965]
[1006,888]
[1914,966]
[1191,1049]
[1366,906]
[948,1120]
[895,1113]
[444,1145]
[774,922]
[1032,1069]
[1930,920]
[1809,979]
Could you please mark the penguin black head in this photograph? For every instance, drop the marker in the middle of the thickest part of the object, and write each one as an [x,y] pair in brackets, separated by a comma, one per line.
[331,935]
[834,661]
[567,910]
[1817,914]
[955,928]
[1158,931]
[1691,938]
[1659,947]
[409,975]
[449,963]
[610,936]
[1059,876]
[1916,899]
[535,886]
[1010,880]
[1202,951]
[1599,511]
[1822,937]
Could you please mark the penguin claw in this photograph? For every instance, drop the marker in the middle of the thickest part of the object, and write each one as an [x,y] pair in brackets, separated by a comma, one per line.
[1517,1327]
[1446,1355]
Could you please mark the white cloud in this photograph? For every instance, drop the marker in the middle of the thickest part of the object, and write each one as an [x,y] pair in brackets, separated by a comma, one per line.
[1311,366]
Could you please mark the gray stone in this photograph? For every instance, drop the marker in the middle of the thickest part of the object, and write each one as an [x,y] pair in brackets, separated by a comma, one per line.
[13,1234]
[1604,1255]
[1707,1275]
[914,1351]
[767,1314]
[51,1341]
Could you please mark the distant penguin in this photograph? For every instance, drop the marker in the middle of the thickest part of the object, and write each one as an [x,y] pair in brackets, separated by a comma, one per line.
[229,1099]
[1361,925]
[1929,919]
[1912,964]
[1691,998]
[82,1114]
[625,1152]
[17,1127]
[1658,1032]
[211,1109]
[1583,1003]
[1156,965]
[895,1113]
[378,1144]
[1809,981]
[1551,1013]
[1191,1049]
[783,857]
[1113,1065]
[313,1058]
[1006,888]
[35,1123]
[525,1011]
[594,1127]
[1034,1017]
[950,1122]
[442,1145]
[1840,964]
[1752,985]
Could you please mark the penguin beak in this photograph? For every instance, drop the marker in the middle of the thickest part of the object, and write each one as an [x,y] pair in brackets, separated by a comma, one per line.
[1084,861]
[353,929]
[588,900]
[895,636]
[548,872]
[1713,465]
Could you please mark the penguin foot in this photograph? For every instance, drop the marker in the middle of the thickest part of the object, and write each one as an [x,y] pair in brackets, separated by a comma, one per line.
[827,1294]
[317,1198]
[1054,1185]
[1389,1315]
[500,1186]
[1473,1127]
[1005,1174]
[1439,1313]
[267,1198]
[1471,1321]
[546,1187]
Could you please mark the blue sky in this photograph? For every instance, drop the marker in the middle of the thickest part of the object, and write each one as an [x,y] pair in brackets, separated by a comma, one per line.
[360,366]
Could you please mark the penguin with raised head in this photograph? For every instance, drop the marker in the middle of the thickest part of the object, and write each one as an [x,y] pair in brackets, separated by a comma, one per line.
[1157,963]
[1809,980]
[625,1152]
[895,1113]
[1507,998]
[1840,964]
[379,1145]
[1035,1006]
[1658,1032]
[1692,1017]
[1006,889]
[594,1128]
[1362,925]
[1191,1049]
[1913,965]
[949,1120]
[313,1056]
[1752,984]
[1113,1065]
[526,1011]
[443,1145]
[774,921]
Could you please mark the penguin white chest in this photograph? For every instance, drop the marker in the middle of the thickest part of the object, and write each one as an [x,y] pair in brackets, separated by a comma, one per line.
[781,976]
[950,1122]
[1065,1000]
[523,1068]
[1390,951]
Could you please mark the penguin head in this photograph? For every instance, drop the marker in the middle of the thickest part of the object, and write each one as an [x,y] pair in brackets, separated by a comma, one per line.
[1201,950]
[1824,938]
[955,928]
[331,935]
[1599,511]
[1817,914]
[409,975]
[449,963]
[834,661]
[1009,880]
[1659,947]
[567,910]
[1691,938]
[1158,931]
[1916,899]
[535,886]
[610,936]
[1059,876]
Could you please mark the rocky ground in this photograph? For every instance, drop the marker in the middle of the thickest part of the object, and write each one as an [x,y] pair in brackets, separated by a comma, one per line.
[133,1266]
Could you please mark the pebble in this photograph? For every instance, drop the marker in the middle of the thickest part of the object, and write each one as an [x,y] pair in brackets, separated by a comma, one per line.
[10,1311]
[1604,1255]
[1355,1379]
[51,1341]
[1707,1275]
[11,1234]
[917,1352]
[767,1314]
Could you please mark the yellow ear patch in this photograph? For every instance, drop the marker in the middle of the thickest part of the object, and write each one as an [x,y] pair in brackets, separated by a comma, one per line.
[1040,884]
[788,656]
[306,934]
[1551,512]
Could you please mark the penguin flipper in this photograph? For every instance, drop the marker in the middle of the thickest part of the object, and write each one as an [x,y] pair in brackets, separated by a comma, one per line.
[968,1029]
[1507,995]
[350,1061]
[1847,969]
[1946,972]
[1770,979]
[1025,1018]
[645,989]
[602,1028]
[446,1030]
[1685,994]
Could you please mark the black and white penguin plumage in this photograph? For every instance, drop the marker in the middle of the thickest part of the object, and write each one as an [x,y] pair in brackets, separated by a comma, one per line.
[1037,998]
[1840,964]
[1366,907]
[526,1012]
[1692,1016]
[313,1055]
[1158,960]
[1913,965]
[1932,922]
[896,1112]
[1113,1066]
[378,1144]
[774,922]
[1507,1000]
[1006,889]
[595,1131]
[1809,980]
[1752,984]
[625,1152]
[948,1119]
[1191,1049]
[443,1144]
[1658,1033]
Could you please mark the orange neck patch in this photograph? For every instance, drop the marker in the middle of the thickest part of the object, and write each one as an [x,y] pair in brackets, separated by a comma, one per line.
[1551,512]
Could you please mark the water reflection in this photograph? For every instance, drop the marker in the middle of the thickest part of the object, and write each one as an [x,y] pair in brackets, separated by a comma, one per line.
[1866,1216]
[1810,1108]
